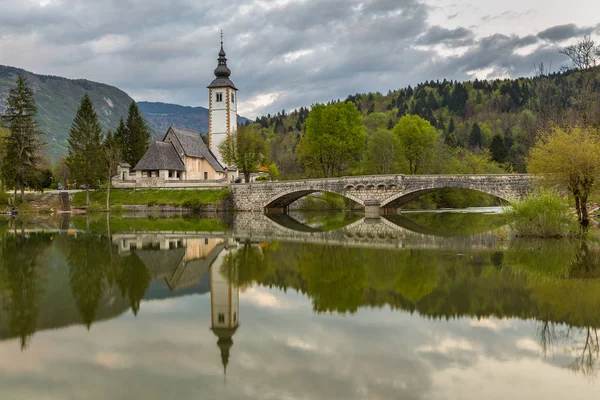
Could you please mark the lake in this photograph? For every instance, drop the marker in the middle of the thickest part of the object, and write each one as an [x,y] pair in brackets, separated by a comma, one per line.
[437,305]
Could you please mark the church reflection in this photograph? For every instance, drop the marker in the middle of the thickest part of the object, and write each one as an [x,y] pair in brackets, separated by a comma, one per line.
[186,261]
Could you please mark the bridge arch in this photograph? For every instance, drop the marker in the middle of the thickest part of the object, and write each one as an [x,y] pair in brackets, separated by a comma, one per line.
[285,198]
[399,199]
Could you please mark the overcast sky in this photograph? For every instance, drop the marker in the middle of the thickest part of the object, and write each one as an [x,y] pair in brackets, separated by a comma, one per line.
[286,53]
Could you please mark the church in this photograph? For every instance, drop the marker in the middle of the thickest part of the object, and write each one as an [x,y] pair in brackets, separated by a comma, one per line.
[182,159]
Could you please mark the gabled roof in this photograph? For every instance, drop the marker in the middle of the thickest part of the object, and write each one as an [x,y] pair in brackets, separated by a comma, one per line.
[160,156]
[193,146]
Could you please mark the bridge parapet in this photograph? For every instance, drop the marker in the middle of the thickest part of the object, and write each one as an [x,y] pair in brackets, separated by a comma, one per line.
[386,190]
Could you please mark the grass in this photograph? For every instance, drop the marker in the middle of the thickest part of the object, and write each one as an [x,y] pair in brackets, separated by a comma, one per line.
[151,197]
[542,215]
[177,224]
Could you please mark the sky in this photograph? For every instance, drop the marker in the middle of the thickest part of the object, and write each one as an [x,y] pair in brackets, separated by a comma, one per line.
[285,54]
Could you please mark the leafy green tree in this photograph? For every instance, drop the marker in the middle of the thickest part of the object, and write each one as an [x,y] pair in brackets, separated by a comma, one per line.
[417,140]
[383,153]
[334,140]
[498,149]
[23,144]
[245,149]
[85,159]
[137,139]
[570,160]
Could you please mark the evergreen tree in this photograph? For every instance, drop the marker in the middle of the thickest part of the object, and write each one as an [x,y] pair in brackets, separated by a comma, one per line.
[21,152]
[138,135]
[120,138]
[85,159]
[498,149]
[390,125]
[451,127]
[475,136]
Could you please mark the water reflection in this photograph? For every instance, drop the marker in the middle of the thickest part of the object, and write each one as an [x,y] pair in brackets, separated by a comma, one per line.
[56,274]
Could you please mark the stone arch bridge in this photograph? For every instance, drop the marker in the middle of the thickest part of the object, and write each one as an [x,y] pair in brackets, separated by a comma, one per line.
[374,192]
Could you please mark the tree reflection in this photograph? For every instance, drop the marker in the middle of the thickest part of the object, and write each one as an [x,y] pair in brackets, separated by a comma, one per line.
[21,287]
[94,267]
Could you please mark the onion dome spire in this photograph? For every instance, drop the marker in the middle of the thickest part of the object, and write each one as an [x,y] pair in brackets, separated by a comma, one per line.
[222,72]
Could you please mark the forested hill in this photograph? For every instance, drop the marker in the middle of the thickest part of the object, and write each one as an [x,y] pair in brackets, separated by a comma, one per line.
[57,100]
[161,116]
[504,116]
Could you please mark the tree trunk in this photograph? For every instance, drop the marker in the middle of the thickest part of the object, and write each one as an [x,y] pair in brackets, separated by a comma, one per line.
[87,196]
[108,194]
[585,218]
[578,207]
[247,177]
[22,192]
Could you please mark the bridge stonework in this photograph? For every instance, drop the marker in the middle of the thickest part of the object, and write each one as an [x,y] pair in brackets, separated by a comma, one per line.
[387,191]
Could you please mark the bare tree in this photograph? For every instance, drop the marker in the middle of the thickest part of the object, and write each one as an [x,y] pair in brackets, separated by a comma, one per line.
[584,55]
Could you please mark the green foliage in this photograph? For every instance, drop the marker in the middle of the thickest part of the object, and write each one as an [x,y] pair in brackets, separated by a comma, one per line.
[384,154]
[498,149]
[118,223]
[568,159]
[136,137]
[22,146]
[95,207]
[4,198]
[163,197]
[541,258]
[542,215]
[327,201]
[116,208]
[245,149]
[85,159]
[417,139]
[273,171]
[334,140]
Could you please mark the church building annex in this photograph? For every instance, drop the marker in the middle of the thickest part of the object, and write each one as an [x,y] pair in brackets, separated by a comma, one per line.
[182,159]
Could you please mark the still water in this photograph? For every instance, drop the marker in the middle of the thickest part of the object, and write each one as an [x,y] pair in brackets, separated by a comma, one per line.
[306,306]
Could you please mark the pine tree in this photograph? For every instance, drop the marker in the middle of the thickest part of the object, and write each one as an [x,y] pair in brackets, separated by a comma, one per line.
[23,142]
[120,138]
[390,125]
[498,149]
[451,127]
[475,136]
[138,135]
[85,159]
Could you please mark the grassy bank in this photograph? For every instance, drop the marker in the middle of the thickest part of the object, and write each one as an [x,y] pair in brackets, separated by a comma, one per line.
[152,197]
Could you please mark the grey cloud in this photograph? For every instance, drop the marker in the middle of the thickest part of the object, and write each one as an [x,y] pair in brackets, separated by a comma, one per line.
[306,52]
[437,34]
[559,33]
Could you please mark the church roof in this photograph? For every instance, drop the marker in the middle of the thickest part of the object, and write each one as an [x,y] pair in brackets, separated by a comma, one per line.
[160,156]
[193,146]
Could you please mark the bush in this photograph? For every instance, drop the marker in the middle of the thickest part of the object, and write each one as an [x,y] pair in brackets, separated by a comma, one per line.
[4,198]
[116,208]
[542,215]
[263,178]
[95,207]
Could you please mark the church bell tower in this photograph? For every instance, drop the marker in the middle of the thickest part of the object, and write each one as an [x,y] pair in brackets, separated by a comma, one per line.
[222,106]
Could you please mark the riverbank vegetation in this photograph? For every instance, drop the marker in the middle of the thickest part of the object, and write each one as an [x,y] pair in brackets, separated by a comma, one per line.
[542,215]
[153,197]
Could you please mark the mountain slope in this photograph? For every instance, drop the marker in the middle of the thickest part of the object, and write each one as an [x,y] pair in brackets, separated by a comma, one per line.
[161,116]
[57,100]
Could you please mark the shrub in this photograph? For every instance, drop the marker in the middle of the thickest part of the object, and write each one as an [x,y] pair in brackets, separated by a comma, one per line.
[116,208]
[262,178]
[542,215]
[95,207]
[3,198]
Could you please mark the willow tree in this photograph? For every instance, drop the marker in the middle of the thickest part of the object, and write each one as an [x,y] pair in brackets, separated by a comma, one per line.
[568,160]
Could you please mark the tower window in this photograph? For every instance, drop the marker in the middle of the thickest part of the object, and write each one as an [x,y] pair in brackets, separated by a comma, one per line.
[219,97]
[233,97]
[234,318]
[221,318]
